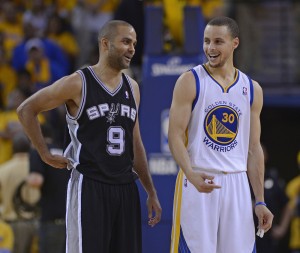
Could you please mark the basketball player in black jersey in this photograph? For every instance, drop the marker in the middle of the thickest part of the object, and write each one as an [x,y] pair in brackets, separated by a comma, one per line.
[104,148]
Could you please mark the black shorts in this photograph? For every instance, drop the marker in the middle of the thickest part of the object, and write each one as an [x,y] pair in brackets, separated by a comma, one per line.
[102,218]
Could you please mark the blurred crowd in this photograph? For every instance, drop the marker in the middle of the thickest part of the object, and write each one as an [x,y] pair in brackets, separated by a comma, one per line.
[44,40]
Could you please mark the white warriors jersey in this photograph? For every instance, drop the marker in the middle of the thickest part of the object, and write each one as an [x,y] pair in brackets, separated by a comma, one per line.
[219,128]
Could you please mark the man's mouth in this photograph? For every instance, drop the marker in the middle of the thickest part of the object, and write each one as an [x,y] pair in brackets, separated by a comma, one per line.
[213,56]
[128,58]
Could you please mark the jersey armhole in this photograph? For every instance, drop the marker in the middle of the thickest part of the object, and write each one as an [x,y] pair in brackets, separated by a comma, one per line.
[251,91]
[132,90]
[197,88]
[83,97]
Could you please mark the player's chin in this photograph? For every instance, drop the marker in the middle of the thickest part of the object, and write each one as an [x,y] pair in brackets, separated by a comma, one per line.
[124,66]
[127,65]
[214,64]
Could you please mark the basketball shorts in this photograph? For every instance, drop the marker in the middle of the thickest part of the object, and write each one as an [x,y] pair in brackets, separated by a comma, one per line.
[216,222]
[102,217]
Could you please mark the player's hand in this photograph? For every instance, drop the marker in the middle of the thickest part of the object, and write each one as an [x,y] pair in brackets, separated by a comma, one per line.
[154,207]
[56,161]
[202,182]
[265,217]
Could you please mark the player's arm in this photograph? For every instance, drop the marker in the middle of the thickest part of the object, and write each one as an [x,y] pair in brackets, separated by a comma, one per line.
[180,113]
[65,90]
[256,160]
[141,168]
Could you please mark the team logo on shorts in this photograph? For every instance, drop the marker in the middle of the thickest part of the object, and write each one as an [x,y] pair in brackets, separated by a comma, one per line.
[221,125]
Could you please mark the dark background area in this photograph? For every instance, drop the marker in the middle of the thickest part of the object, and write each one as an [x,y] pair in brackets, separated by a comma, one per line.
[280,134]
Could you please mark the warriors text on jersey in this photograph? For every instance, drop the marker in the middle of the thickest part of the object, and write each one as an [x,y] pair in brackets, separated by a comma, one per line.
[219,129]
[101,134]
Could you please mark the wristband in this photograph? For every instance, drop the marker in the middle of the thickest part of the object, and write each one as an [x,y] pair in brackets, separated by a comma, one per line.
[260,203]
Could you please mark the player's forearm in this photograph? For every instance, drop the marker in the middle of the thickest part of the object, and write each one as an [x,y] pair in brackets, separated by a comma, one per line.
[256,172]
[180,154]
[141,168]
[146,180]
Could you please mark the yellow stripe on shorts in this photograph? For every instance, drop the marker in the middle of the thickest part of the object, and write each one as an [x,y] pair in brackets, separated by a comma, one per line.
[176,213]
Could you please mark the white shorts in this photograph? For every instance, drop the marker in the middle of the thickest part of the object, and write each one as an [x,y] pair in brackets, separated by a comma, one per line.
[216,222]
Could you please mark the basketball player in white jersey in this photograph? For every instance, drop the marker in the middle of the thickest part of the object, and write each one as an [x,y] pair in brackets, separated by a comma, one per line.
[214,136]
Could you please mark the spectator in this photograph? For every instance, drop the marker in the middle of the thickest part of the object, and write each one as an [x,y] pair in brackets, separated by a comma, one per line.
[88,16]
[64,8]
[43,70]
[9,124]
[57,31]
[174,14]
[293,191]
[11,27]
[24,82]
[12,174]
[6,237]
[51,50]
[7,79]
[37,15]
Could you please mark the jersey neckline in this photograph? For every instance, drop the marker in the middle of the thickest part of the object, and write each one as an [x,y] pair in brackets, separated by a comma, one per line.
[112,93]
[227,88]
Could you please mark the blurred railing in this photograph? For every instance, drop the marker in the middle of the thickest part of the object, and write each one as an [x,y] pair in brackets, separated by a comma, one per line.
[270,42]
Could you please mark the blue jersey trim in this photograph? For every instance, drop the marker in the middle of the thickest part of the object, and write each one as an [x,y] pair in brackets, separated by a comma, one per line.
[183,248]
[254,248]
[197,89]
[251,91]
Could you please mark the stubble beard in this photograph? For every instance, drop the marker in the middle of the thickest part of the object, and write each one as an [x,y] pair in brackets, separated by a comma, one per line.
[115,60]
[218,65]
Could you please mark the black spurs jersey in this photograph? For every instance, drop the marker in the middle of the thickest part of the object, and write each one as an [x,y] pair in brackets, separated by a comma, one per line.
[101,134]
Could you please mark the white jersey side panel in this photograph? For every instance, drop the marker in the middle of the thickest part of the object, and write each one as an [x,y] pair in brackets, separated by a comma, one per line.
[219,128]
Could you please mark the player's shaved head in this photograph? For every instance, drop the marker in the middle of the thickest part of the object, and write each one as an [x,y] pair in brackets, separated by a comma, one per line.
[109,30]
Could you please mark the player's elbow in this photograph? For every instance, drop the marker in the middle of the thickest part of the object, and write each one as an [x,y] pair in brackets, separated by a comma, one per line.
[22,111]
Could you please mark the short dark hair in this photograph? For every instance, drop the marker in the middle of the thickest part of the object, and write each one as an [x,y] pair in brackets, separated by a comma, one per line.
[226,21]
[109,29]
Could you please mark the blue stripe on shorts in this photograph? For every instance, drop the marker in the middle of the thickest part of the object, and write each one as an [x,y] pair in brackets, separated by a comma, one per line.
[183,248]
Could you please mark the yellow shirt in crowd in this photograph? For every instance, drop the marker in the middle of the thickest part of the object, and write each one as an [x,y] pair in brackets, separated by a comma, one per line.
[6,237]
[293,192]
[174,14]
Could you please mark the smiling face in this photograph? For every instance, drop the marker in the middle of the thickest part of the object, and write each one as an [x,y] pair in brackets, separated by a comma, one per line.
[121,47]
[218,45]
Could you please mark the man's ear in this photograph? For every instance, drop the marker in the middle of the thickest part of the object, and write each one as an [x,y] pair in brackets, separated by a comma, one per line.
[236,42]
[104,43]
